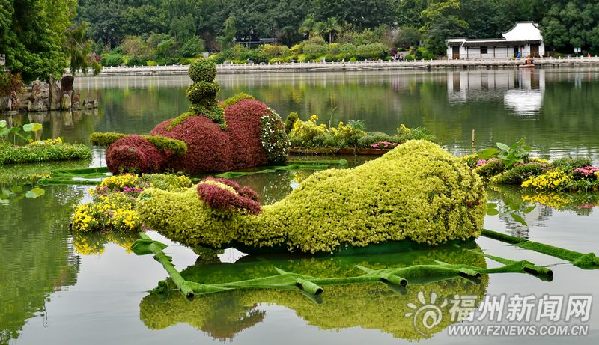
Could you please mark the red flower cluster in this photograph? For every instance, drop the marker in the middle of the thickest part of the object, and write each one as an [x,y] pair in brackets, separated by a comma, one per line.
[134,154]
[209,148]
[244,128]
[222,199]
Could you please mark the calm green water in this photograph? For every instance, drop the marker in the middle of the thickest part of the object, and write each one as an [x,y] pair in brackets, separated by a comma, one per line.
[60,289]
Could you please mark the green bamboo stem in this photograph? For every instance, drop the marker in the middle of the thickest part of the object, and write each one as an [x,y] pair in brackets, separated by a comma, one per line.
[146,245]
[584,261]
[283,280]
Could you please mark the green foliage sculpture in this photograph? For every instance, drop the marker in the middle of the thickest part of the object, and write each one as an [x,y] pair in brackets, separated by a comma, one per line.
[416,192]
[202,93]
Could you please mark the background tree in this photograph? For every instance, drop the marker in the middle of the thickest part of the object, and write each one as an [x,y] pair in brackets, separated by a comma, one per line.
[229,33]
[331,26]
[79,49]
[34,38]
[407,36]
[441,20]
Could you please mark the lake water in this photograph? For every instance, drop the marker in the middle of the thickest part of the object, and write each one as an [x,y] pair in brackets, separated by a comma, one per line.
[59,289]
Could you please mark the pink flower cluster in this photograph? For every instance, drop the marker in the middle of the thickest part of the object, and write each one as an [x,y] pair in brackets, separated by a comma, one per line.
[224,200]
[383,145]
[588,171]
[132,189]
[481,162]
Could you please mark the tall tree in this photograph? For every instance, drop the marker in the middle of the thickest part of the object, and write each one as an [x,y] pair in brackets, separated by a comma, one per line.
[572,24]
[442,20]
[34,40]
[331,26]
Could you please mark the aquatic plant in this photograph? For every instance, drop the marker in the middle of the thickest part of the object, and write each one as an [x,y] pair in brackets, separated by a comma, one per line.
[509,155]
[28,132]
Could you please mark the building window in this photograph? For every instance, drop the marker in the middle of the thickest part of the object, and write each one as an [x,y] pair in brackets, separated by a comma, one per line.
[483,50]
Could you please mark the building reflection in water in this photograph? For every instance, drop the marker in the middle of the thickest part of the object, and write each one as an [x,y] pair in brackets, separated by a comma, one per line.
[520,90]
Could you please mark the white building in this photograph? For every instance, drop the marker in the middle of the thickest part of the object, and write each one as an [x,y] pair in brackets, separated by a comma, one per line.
[522,40]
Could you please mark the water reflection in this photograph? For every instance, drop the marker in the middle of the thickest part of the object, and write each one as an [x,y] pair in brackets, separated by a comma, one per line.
[37,256]
[74,126]
[521,91]
[497,103]
[519,211]
[369,305]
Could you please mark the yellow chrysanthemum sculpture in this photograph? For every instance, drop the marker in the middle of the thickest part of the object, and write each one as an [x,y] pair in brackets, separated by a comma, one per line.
[417,192]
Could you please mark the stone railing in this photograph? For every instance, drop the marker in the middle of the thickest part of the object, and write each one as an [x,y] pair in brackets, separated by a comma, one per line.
[346,66]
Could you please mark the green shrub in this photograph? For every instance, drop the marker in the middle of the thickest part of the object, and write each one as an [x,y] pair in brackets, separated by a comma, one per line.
[214,112]
[274,138]
[371,51]
[104,139]
[290,121]
[191,48]
[327,139]
[519,173]
[416,192]
[274,51]
[571,163]
[136,61]
[202,93]
[112,59]
[167,182]
[470,160]
[422,53]
[376,137]
[236,98]
[175,146]
[404,134]
[349,134]
[11,154]
[202,70]
[314,49]
[304,132]
[492,167]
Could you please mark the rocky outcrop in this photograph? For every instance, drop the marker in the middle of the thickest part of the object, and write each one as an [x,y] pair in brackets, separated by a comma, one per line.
[45,96]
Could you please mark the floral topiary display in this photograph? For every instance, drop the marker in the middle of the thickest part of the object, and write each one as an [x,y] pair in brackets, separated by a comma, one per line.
[134,154]
[223,196]
[416,192]
[241,132]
